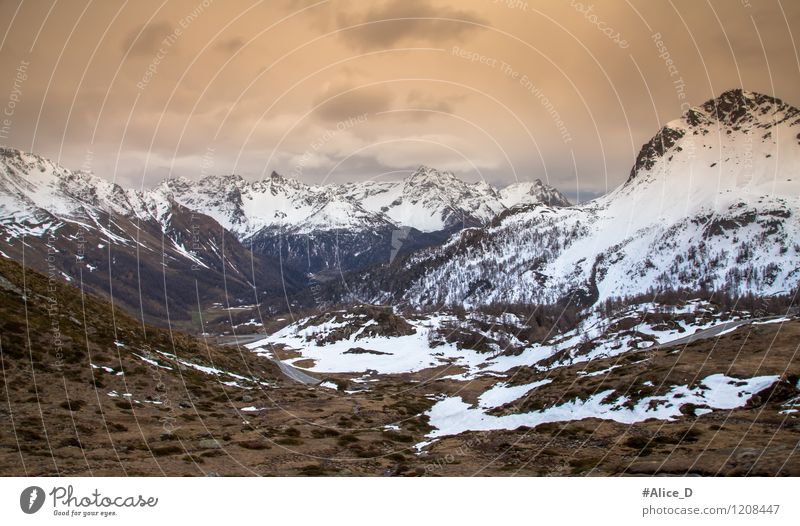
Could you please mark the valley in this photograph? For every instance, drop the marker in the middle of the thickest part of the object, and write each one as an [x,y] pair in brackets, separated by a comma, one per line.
[420,327]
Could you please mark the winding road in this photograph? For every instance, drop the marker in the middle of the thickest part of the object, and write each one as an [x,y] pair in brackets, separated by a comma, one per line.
[289,371]
[296,374]
[716,330]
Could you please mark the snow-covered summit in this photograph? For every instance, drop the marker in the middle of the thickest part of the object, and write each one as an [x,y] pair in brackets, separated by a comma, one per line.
[428,200]
[712,202]
[739,147]
[532,192]
[29,182]
[330,226]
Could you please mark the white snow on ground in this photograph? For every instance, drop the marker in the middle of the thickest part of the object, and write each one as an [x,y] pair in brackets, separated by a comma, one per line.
[502,394]
[151,362]
[776,320]
[598,373]
[188,254]
[202,368]
[452,415]
[232,383]
[398,354]
[604,344]
[728,331]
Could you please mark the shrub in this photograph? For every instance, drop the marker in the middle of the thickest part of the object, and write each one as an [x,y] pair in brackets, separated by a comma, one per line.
[312,470]
[291,432]
[398,437]
[289,441]
[580,465]
[347,439]
[162,451]
[72,405]
[70,442]
[254,444]
[324,432]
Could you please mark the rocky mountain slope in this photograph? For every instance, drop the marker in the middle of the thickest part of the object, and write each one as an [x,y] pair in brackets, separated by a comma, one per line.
[185,245]
[123,398]
[354,225]
[118,397]
[150,254]
[647,387]
[713,202]
[90,391]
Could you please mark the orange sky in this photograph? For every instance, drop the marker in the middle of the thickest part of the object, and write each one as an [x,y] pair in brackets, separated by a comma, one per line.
[334,90]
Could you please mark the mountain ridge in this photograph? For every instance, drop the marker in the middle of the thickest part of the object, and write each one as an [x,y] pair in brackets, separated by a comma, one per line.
[310,228]
[150,254]
[428,200]
[709,205]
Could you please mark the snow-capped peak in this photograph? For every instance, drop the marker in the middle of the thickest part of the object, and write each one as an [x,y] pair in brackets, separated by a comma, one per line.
[427,200]
[532,192]
[738,108]
[31,181]
[736,113]
[712,203]
[426,175]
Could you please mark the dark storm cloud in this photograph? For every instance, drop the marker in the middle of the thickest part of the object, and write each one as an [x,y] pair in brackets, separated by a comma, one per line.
[402,21]
[421,100]
[230,45]
[349,101]
[146,40]
[490,96]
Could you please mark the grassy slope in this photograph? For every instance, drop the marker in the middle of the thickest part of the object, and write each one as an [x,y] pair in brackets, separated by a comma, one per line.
[56,416]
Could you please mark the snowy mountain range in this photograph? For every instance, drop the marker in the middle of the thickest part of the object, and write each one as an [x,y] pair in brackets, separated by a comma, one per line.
[144,250]
[419,311]
[428,200]
[257,236]
[713,202]
[337,228]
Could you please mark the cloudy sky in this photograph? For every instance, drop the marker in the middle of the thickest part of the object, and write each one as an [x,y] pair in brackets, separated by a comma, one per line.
[332,90]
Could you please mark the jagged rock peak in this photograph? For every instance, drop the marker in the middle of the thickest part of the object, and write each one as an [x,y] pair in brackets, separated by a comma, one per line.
[427,174]
[738,106]
[735,111]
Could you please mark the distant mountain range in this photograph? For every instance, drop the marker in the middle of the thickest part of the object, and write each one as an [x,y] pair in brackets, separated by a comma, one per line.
[242,242]
[351,226]
[428,201]
[147,252]
[712,202]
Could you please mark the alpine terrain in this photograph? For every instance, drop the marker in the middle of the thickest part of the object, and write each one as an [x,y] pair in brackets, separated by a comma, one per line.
[712,202]
[426,326]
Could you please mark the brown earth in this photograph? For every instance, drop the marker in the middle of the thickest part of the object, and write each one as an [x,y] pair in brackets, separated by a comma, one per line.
[57,418]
